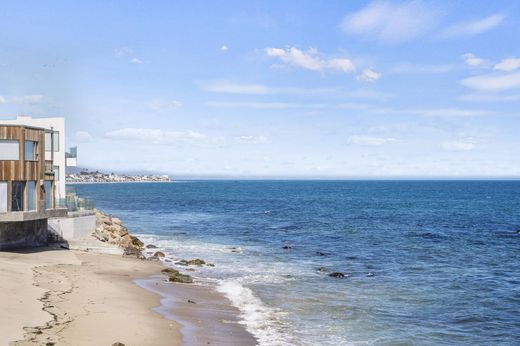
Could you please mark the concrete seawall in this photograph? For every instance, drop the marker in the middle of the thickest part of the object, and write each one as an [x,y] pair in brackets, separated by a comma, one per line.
[23,234]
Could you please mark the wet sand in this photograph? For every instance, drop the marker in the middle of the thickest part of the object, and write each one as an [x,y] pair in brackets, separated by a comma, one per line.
[67,297]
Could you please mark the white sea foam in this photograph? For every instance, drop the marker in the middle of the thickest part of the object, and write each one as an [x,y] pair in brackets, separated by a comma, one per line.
[263,322]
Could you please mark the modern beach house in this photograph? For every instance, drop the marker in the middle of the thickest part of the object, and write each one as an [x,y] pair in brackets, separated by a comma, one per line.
[54,146]
[27,186]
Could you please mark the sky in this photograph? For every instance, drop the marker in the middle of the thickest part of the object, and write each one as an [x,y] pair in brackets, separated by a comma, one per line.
[330,89]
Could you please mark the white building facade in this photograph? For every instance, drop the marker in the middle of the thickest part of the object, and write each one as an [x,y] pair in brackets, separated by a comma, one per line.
[57,124]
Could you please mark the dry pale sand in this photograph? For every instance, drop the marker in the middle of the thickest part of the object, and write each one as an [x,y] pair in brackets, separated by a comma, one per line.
[79,298]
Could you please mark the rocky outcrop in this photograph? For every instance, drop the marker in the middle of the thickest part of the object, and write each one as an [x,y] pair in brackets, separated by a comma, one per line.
[176,276]
[111,231]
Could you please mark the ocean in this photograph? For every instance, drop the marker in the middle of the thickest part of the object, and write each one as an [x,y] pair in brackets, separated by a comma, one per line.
[425,262]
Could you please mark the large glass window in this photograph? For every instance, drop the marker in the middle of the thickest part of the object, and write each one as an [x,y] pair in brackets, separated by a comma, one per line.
[3,197]
[48,194]
[31,195]
[48,142]
[56,170]
[30,150]
[17,195]
[9,149]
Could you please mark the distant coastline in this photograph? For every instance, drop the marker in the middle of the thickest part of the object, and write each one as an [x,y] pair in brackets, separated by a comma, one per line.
[85,176]
[116,182]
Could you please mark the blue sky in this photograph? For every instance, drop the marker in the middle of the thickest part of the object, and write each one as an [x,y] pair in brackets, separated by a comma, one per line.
[272,88]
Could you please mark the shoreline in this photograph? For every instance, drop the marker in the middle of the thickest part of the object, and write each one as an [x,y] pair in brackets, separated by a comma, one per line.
[80,297]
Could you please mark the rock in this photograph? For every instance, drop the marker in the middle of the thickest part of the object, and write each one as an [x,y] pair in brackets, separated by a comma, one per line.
[159,254]
[153,258]
[287,247]
[182,263]
[195,262]
[178,277]
[319,253]
[191,301]
[116,221]
[337,275]
[322,270]
[118,344]
[167,260]
[210,264]
[169,270]
[190,269]
[151,246]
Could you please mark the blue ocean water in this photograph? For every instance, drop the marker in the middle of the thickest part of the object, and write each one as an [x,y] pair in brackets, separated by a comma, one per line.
[426,262]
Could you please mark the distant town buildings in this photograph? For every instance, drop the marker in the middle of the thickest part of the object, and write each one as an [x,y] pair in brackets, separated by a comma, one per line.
[86,176]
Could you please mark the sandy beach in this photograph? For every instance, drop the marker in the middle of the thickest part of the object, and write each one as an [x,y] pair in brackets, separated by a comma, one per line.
[66,297]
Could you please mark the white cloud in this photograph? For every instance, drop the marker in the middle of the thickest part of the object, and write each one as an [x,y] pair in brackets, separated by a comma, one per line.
[236,88]
[493,82]
[369,141]
[155,136]
[136,61]
[28,99]
[472,61]
[390,22]
[252,139]
[255,105]
[421,68]
[449,112]
[121,52]
[82,137]
[369,75]
[224,48]
[227,87]
[164,106]
[509,64]
[464,144]
[479,97]
[476,27]
[310,59]
[2,100]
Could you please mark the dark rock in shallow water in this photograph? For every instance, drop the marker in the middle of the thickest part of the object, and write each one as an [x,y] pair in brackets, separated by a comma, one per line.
[210,264]
[169,270]
[319,253]
[182,263]
[337,275]
[195,262]
[191,301]
[176,276]
[287,247]
[151,246]
[159,254]
[182,278]
[322,270]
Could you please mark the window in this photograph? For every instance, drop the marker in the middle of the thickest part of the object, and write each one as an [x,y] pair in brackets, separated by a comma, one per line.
[17,195]
[56,170]
[30,151]
[9,150]
[31,195]
[3,197]
[48,142]
[47,185]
